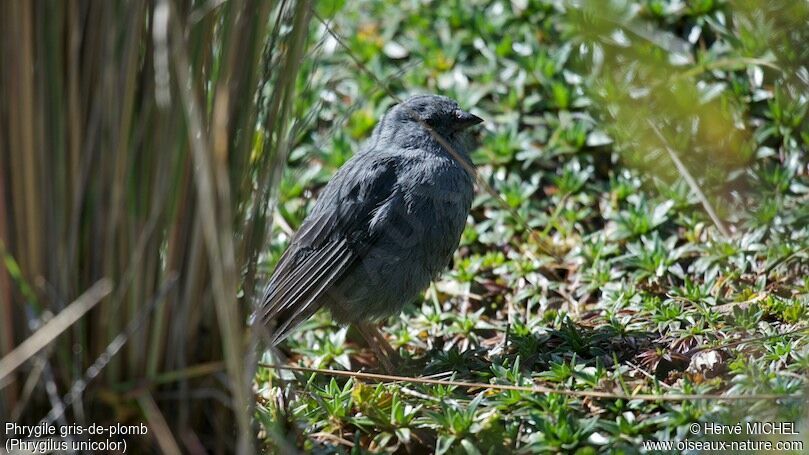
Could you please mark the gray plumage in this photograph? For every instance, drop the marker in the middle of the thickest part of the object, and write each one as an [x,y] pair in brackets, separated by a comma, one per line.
[385,225]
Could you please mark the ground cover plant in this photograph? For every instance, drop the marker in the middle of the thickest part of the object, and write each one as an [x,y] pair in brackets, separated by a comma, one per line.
[652,237]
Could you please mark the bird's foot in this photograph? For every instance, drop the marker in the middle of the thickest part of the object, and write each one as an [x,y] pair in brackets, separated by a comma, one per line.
[390,361]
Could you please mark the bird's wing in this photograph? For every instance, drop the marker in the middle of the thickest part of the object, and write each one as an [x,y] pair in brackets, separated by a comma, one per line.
[327,244]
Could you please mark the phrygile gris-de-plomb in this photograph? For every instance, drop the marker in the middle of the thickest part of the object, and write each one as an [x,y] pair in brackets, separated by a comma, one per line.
[383,228]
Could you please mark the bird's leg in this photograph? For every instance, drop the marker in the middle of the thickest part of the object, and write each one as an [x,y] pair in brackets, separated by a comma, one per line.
[385,353]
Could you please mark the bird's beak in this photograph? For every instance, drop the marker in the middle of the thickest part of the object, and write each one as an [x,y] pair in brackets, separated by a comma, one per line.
[465,119]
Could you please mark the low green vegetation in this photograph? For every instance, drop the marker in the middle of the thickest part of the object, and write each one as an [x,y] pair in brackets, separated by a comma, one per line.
[652,160]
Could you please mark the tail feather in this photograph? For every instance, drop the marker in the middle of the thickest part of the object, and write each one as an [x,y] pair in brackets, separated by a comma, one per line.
[297,289]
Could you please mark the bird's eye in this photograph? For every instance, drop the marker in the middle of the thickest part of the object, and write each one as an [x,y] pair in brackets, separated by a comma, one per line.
[416,114]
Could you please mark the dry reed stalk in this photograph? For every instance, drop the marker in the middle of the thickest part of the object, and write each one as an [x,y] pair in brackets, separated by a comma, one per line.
[126,153]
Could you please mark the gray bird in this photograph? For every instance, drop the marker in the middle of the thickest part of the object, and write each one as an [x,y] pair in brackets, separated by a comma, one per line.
[384,226]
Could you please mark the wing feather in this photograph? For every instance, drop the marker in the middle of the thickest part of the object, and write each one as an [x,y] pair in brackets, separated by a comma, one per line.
[328,243]
[300,295]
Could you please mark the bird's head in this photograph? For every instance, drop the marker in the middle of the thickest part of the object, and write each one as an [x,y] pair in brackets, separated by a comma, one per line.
[432,112]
